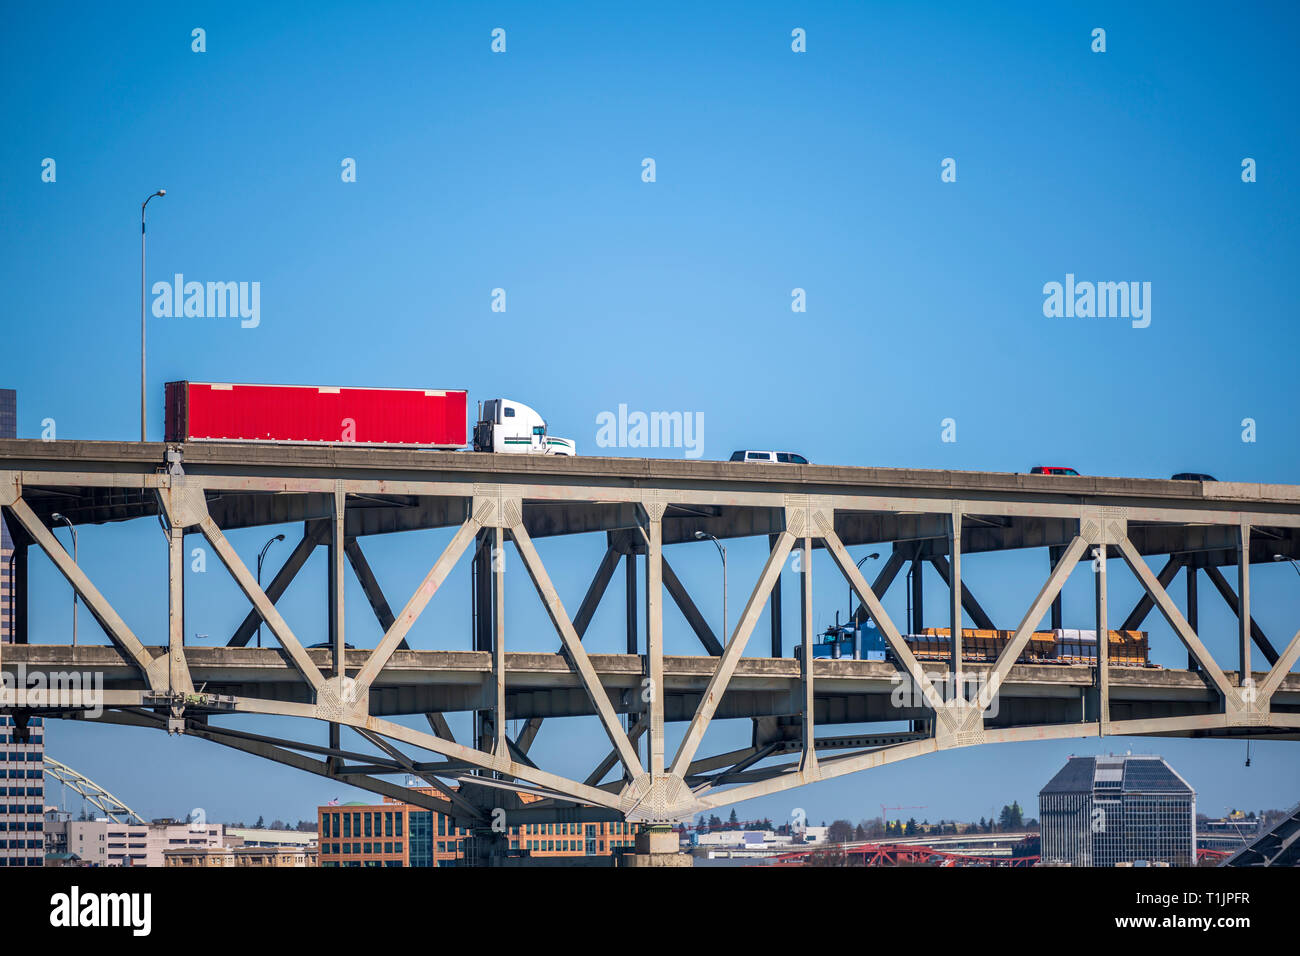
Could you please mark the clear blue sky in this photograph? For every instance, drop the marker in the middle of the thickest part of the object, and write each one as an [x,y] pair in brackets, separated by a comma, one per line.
[775,170]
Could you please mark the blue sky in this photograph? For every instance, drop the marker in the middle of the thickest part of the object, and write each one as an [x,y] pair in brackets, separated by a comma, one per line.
[774,171]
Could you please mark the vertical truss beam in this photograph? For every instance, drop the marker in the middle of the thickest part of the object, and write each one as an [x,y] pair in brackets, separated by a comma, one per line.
[178,672]
[954,598]
[1103,642]
[499,640]
[808,730]
[654,604]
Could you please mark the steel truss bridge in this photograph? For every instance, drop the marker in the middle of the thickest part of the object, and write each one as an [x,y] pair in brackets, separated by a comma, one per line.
[103,801]
[344,494]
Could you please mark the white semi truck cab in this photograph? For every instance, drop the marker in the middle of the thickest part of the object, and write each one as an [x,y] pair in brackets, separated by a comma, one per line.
[509,427]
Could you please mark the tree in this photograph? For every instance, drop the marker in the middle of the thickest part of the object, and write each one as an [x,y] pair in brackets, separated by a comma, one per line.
[732,820]
[840,831]
[1012,817]
[715,822]
[260,824]
[860,833]
[910,829]
[982,826]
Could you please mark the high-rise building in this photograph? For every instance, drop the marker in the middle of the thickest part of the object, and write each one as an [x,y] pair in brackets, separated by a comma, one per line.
[393,833]
[1105,811]
[8,429]
[22,792]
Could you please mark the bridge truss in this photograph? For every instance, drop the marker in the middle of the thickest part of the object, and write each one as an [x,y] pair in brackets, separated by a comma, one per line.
[343,494]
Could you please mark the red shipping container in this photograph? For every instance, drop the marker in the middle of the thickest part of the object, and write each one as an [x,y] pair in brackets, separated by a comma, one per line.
[308,414]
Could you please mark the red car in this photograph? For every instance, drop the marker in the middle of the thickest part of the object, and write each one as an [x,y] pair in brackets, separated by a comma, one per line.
[1052,470]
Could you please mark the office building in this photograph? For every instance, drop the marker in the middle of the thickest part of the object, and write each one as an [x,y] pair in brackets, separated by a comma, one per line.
[1107,811]
[401,834]
[8,429]
[22,792]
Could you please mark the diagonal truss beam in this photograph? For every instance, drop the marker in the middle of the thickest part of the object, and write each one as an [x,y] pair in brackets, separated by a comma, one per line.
[586,611]
[395,634]
[248,584]
[1145,603]
[902,653]
[1051,588]
[409,766]
[123,638]
[316,532]
[573,646]
[1175,618]
[717,686]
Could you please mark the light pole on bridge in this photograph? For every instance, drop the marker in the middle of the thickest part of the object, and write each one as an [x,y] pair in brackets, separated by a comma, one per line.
[60,517]
[260,558]
[701,536]
[161,192]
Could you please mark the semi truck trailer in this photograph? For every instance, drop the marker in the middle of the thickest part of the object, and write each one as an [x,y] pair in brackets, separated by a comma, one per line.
[311,414]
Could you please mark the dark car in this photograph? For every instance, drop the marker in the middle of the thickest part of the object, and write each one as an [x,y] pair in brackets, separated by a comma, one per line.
[327,645]
[1192,476]
[1052,470]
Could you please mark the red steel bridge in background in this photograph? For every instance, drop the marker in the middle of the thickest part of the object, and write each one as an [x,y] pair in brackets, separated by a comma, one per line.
[631,509]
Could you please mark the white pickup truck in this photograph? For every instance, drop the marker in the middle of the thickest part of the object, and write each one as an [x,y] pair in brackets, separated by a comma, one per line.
[509,427]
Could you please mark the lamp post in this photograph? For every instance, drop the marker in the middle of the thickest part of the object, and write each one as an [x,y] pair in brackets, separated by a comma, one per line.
[59,517]
[161,192]
[1283,557]
[700,536]
[871,557]
[260,557]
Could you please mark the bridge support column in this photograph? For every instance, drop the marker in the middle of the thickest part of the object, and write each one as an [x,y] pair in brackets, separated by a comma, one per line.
[1243,606]
[1193,611]
[955,598]
[808,755]
[657,846]
[1101,708]
[915,626]
[1058,610]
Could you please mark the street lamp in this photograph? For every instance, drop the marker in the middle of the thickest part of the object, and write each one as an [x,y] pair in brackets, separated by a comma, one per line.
[161,192]
[871,557]
[266,547]
[700,536]
[58,517]
[1283,557]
